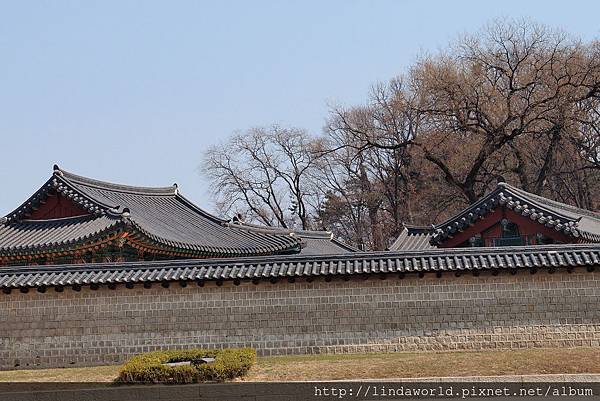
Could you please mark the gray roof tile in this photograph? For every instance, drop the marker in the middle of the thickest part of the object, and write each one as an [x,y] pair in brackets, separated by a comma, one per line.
[31,235]
[413,238]
[160,216]
[312,242]
[446,260]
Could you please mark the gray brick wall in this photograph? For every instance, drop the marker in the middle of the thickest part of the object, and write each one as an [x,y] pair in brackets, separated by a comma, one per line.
[107,326]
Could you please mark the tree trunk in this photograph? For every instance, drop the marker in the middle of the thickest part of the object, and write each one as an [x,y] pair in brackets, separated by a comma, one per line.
[373,209]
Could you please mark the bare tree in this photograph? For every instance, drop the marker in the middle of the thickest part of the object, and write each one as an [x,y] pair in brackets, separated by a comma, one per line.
[516,100]
[386,122]
[380,177]
[587,139]
[262,174]
[348,203]
[513,80]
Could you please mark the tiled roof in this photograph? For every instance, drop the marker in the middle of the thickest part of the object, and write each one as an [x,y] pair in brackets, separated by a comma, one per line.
[313,242]
[324,246]
[161,217]
[569,220]
[31,235]
[587,222]
[509,259]
[413,238]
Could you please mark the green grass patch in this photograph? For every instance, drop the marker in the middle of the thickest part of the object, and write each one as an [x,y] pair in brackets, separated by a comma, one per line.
[152,367]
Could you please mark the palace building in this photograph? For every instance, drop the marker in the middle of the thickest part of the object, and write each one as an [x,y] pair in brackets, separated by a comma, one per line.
[507,216]
[74,219]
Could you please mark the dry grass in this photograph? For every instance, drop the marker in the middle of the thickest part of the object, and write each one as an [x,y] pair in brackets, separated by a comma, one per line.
[93,374]
[427,364]
[370,366]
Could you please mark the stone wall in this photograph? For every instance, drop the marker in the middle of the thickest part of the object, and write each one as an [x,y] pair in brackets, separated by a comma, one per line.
[107,326]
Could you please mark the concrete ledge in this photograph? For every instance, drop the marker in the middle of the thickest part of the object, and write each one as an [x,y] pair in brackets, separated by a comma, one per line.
[244,391]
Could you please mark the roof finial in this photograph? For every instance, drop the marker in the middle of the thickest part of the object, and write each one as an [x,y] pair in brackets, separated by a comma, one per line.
[57,169]
[238,219]
[126,212]
[500,180]
[3,220]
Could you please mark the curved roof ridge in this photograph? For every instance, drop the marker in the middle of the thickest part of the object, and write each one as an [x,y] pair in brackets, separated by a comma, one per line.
[489,197]
[91,182]
[58,183]
[198,209]
[285,231]
[67,219]
[344,245]
[551,202]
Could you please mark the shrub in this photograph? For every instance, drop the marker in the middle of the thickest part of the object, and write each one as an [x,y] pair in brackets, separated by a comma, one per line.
[150,367]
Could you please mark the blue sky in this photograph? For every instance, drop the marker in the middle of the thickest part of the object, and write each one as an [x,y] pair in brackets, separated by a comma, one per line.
[134,91]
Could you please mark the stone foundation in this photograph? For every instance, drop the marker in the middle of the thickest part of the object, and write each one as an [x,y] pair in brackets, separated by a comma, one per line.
[107,326]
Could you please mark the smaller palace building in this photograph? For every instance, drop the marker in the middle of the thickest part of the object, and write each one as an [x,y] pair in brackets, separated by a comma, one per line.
[93,272]
[74,219]
[507,216]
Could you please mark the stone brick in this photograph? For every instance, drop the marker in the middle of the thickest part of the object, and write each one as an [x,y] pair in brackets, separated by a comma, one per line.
[449,313]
